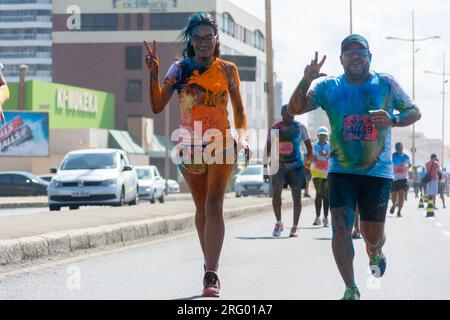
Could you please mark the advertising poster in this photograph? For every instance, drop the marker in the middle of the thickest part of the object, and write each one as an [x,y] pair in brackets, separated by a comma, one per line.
[24,134]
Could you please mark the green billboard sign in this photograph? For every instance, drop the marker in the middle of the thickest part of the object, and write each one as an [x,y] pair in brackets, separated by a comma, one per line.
[69,107]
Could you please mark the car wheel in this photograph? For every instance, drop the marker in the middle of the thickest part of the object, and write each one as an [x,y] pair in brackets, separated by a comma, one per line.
[122,198]
[74,207]
[161,199]
[238,195]
[136,198]
[54,207]
[152,199]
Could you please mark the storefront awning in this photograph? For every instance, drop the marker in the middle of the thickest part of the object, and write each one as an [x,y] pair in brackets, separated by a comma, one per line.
[122,140]
[159,147]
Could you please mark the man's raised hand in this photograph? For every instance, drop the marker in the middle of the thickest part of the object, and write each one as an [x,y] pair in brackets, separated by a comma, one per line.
[312,71]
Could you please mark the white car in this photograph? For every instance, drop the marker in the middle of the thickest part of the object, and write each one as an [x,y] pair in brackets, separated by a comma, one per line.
[151,184]
[173,186]
[250,181]
[93,177]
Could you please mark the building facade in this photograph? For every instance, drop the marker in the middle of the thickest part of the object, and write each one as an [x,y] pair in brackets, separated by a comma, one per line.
[26,38]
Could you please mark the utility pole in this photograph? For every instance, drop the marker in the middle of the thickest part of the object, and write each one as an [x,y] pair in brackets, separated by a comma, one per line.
[269,63]
[351,17]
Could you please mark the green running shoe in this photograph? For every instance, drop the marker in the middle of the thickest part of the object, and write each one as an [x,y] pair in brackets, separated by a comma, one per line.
[351,293]
[378,265]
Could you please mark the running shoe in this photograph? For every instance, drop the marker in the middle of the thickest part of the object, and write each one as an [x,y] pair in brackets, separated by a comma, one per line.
[378,265]
[211,284]
[325,222]
[399,214]
[293,232]
[278,229]
[351,293]
[316,222]
[392,210]
[356,234]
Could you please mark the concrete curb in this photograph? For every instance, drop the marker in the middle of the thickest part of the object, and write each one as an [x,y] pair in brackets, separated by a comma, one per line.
[56,243]
[43,204]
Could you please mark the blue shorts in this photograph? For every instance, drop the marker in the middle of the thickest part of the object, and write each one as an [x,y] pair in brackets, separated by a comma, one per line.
[370,194]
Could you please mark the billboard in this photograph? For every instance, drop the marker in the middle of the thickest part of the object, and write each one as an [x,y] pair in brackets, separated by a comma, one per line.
[24,134]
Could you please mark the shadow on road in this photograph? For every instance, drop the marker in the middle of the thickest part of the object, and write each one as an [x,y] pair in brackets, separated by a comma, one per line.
[190,298]
[260,238]
[327,239]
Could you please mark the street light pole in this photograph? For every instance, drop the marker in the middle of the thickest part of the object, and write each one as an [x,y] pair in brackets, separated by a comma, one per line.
[351,17]
[444,81]
[413,40]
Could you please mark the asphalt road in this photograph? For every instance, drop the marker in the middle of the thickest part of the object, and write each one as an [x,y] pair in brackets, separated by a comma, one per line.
[253,265]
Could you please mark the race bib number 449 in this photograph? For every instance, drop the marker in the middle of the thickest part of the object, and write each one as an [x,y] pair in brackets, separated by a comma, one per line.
[359,128]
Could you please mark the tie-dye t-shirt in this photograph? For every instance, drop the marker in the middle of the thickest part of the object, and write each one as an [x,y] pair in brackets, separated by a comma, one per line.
[203,92]
[319,165]
[358,147]
[289,141]
[401,164]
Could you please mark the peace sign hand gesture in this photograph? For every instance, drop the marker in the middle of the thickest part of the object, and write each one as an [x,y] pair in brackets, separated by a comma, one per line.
[151,58]
[312,71]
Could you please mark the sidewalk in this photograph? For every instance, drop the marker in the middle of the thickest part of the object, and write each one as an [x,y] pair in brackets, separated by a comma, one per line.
[42,201]
[42,235]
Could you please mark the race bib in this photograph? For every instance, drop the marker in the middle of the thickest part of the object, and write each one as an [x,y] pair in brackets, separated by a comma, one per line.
[359,128]
[286,148]
[209,116]
[321,164]
[399,170]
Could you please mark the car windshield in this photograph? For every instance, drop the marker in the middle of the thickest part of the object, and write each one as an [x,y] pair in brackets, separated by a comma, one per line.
[251,171]
[143,174]
[89,161]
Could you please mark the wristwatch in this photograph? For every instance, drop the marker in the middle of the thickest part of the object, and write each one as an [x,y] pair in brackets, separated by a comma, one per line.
[395,120]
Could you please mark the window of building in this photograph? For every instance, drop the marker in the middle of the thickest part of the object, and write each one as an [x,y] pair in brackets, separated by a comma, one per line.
[259,41]
[128,22]
[133,58]
[140,21]
[133,91]
[168,21]
[228,24]
[99,22]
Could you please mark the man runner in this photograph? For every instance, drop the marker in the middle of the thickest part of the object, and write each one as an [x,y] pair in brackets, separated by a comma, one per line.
[291,167]
[360,105]
[401,164]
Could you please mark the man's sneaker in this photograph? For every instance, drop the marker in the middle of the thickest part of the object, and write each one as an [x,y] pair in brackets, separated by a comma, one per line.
[392,210]
[294,232]
[278,229]
[399,214]
[211,285]
[316,222]
[356,234]
[351,293]
[378,265]
[306,195]
[325,222]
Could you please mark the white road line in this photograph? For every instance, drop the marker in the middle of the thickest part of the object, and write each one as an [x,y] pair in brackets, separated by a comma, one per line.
[438,224]
[446,233]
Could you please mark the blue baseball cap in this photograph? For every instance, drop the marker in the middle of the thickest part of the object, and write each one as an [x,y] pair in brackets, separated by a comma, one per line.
[354,38]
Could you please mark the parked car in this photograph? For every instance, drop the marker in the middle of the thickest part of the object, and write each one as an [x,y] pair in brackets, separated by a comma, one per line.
[151,184]
[46,177]
[21,183]
[250,181]
[173,186]
[93,177]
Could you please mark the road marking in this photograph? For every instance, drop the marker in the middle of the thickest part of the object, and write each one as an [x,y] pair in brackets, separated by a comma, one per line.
[446,233]
[439,224]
